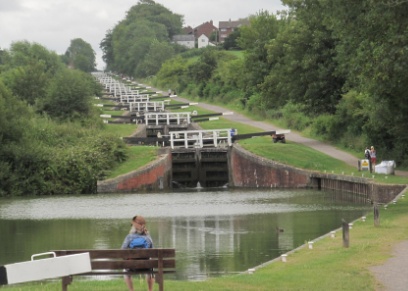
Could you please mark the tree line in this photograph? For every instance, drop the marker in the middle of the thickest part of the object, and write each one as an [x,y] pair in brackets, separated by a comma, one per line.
[52,139]
[336,69]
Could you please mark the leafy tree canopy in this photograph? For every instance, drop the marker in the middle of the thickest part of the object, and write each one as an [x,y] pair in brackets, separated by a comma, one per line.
[126,46]
[81,56]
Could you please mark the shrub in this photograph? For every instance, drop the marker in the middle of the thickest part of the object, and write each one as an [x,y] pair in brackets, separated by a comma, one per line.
[294,117]
[324,126]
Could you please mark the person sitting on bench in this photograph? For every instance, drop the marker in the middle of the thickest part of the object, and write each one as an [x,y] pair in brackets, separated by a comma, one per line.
[138,238]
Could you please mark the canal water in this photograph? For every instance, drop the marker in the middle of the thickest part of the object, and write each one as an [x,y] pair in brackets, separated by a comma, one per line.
[214,232]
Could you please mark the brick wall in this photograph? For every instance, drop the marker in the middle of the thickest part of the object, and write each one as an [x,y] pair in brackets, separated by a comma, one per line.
[152,177]
[249,170]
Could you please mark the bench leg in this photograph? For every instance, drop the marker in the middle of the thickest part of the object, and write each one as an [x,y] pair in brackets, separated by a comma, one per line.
[160,271]
[65,282]
[159,281]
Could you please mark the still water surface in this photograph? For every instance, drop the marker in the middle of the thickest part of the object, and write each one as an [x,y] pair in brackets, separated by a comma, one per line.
[214,232]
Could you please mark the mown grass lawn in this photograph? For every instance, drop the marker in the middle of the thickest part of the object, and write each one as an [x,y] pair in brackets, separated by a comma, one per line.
[139,156]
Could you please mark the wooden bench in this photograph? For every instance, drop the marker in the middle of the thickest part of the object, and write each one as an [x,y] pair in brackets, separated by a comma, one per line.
[117,261]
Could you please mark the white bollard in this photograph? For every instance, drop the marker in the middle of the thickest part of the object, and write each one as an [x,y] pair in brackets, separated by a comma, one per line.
[350,225]
[333,234]
[310,243]
[284,257]
[251,271]
[363,218]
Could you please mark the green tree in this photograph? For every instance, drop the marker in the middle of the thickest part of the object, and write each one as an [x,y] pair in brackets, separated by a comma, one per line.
[106,46]
[157,54]
[303,62]
[27,69]
[254,38]
[127,45]
[231,41]
[202,70]
[69,95]
[23,53]
[373,52]
[28,82]
[81,56]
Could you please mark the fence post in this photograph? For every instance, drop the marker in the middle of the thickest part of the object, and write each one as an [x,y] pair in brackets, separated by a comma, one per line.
[376,215]
[346,236]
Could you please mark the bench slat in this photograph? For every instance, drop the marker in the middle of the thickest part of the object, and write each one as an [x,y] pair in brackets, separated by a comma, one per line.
[118,253]
[131,264]
[121,273]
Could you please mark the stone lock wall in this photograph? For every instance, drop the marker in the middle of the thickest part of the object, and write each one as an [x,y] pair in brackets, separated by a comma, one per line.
[249,170]
[246,170]
[152,177]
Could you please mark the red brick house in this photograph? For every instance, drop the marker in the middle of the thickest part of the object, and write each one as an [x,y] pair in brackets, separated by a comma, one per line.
[227,27]
[207,28]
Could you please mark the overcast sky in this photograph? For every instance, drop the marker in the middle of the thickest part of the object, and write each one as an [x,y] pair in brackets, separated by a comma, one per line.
[54,23]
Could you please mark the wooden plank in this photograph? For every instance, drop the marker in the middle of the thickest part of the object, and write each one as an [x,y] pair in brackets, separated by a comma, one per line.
[131,264]
[119,253]
[124,264]
[123,272]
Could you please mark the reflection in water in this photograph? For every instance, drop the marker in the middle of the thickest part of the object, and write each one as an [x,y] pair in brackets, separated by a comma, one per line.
[223,231]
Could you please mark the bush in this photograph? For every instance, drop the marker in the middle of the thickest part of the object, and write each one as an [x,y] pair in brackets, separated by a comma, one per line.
[294,117]
[325,127]
[69,95]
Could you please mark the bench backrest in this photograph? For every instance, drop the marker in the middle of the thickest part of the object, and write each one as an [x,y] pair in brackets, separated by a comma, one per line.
[135,259]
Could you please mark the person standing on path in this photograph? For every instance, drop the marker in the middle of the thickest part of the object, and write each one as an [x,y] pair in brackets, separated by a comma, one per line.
[367,156]
[373,155]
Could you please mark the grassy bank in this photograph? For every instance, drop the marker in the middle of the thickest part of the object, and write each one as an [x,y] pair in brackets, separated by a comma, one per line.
[138,157]
[291,153]
[328,266]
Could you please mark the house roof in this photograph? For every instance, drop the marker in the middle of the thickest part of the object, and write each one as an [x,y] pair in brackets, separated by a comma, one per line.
[233,24]
[206,28]
[188,30]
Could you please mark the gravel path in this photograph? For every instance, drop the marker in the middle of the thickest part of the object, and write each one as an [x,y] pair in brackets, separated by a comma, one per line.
[393,275]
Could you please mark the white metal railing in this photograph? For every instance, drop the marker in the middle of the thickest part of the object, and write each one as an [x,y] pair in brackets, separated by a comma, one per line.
[200,138]
[146,106]
[118,89]
[134,98]
[168,118]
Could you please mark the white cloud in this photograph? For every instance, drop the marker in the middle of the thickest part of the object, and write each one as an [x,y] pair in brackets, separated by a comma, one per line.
[54,23]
